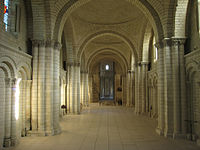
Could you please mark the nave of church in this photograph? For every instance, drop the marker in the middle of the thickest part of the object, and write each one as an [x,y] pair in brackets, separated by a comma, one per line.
[105,128]
[59,58]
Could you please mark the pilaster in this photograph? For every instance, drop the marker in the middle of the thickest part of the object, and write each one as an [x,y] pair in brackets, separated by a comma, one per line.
[7,137]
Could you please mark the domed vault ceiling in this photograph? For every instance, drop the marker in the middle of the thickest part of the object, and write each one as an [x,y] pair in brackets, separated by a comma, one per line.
[118,16]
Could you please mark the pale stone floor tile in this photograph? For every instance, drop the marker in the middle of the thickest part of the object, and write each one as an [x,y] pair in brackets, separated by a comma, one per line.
[105,128]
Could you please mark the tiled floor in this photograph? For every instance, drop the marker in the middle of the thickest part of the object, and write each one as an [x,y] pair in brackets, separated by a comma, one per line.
[105,128]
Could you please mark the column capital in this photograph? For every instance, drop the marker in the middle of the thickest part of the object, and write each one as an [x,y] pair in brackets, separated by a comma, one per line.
[41,43]
[38,43]
[50,43]
[8,81]
[84,72]
[130,71]
[159,45]
[167,42]
[144,63]
[178,41]
[57,46]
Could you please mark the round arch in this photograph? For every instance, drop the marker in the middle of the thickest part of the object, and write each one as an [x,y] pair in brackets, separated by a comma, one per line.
[91,65]
[119,55]
[143,5]
[11,65]
[103,33]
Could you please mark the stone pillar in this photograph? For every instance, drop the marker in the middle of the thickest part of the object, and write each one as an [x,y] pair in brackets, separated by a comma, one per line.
[90,89]
[2,109]
[136,91]
[49,92]
[28,105]
[144,68]
[179,87]
[128,76]
[82,89]
[41,87]
[87,89]
[71,88]
[77,82]
[7,137]
[56,90]
[168,90]
[14,111]
[133,88]
[139,89]
[74,85]
[23,107]
[68,88]
[124,82]
[34,100]
[161,116]
[183,87]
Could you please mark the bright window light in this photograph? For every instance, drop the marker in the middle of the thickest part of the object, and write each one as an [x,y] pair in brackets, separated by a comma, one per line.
[107,67]
[155,51]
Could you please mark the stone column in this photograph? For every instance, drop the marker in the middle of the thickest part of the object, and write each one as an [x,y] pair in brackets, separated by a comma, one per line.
[34,100]
[143,84]
[128,76]
[133,88]
[2,109]
[136,91]
[74,84]
[86,90]
[28,105]
[68,88]
[82,89]
[71,88]
[23,107]
[90,89]
[124,90]
[179,87]
[77,93]
[7,137]
[183,87]
[168,88]
[139,89]
[56,81]
[49,85]
[161,117]
[41,87]
[14,111]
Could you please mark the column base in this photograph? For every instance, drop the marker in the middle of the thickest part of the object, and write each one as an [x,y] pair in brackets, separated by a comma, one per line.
[179,136]
[57,131]
[7,142]
[159,131]
[14,141]
[36,133]
[168,134]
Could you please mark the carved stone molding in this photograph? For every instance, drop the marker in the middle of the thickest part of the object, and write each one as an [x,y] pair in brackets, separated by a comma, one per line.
[167,42]
[178,41]
[57,46]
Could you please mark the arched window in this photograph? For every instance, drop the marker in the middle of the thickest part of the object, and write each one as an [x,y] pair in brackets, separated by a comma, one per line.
[6,11]
[155,50]
[107,67]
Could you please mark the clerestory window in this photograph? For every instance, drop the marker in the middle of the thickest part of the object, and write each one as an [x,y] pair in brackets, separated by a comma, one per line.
[6,11]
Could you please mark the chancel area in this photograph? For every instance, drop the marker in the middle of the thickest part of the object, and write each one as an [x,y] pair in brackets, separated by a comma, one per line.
[100,74]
